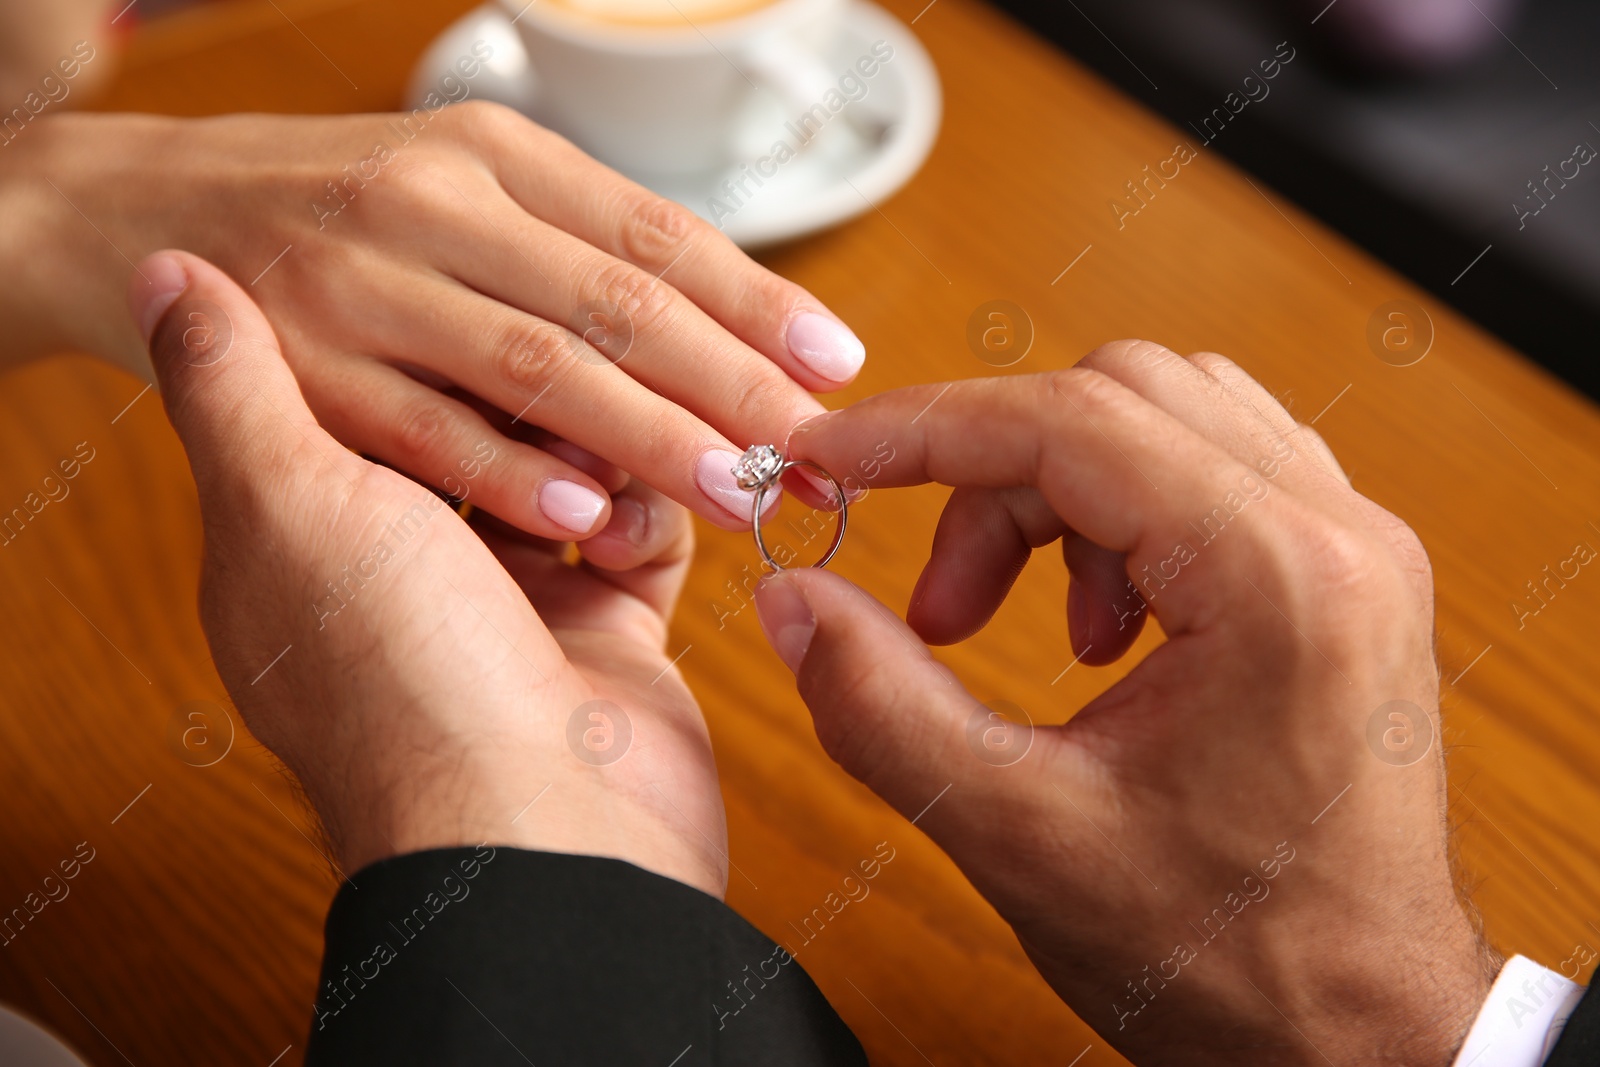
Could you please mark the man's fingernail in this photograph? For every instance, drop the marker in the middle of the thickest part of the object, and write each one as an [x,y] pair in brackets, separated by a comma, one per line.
[826,346]
[165,280]
[579,457]
[786,619]
[570,505]
[714,474]
[630,520]
[805,425]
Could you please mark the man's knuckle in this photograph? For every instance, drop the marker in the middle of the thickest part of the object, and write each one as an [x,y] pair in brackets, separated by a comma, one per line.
[1337,561]
[1147,353]
[1407,551]
[1086,388]
[1126,352]
[1214,364]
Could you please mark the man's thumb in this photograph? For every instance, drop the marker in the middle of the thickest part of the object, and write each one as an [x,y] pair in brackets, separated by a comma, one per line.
[228,392]
[884,708]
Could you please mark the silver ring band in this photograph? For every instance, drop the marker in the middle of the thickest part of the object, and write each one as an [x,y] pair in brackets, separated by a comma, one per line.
[760,501]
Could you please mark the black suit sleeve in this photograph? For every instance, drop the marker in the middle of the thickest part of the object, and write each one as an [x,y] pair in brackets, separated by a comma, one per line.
[495,956]
[1579,1045]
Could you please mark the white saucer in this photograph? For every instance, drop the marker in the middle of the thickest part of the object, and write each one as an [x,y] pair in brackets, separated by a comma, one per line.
[867,151]
[25,1043]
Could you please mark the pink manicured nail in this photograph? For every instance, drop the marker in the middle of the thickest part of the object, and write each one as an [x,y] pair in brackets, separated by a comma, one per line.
[786,619]
[163,281]
[714,474]
[570,505]
[826,346]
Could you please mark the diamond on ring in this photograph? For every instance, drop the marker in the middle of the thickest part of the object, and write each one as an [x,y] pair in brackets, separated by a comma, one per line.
[759,465]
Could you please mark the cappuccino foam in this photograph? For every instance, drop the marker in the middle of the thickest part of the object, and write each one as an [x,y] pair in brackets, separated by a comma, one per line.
[660,13]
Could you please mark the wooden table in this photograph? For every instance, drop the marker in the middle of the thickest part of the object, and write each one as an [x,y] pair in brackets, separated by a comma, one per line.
[194,933]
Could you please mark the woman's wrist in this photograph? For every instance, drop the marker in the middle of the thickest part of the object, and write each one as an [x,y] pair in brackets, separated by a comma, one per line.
[514,796]
[34,251]
[76,192]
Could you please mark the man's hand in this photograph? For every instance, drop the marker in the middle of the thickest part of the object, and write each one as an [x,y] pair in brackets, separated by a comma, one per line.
[1238,853]
[376,643]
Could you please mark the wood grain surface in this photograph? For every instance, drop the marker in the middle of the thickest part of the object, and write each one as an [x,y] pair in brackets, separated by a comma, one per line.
[193,934]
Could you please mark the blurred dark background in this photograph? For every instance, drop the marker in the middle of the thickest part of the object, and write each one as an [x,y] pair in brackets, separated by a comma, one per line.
[1411,126]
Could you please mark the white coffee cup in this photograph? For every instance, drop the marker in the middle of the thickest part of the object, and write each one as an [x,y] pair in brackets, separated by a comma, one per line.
[672,98]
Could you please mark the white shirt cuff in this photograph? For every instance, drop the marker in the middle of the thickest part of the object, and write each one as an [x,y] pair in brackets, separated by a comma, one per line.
[1522,1018]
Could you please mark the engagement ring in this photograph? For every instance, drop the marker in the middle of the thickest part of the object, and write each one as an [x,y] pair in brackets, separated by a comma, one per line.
[761,468]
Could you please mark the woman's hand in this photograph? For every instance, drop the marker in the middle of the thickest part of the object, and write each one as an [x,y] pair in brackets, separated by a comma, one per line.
[437,280]
[424,696]
[1238,853]
[40,42]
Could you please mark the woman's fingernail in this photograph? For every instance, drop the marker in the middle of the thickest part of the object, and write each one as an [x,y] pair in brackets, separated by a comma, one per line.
[165,280]
[570,505]
[714,474]
[786,619]
[826,346]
